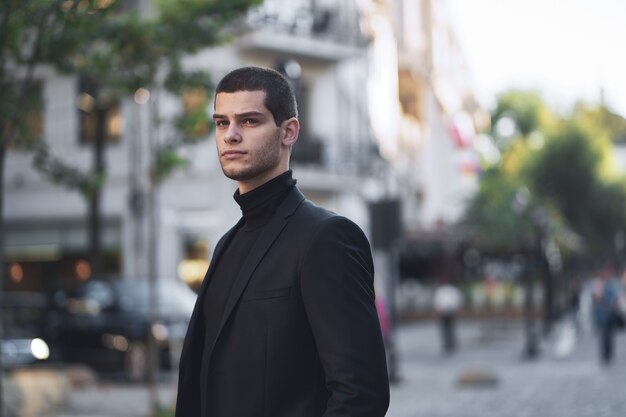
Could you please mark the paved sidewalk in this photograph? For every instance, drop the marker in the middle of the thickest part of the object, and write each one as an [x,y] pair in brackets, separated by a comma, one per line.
[551,386]
[554,385]
[109,399]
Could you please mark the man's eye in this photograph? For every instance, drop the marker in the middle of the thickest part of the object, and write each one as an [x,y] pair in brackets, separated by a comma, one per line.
[221,123]
[250,122]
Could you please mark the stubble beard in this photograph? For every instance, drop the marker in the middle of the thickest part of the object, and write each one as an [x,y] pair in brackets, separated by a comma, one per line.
[266,159]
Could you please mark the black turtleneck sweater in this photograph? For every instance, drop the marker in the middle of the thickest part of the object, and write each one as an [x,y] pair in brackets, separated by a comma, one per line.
[257,207]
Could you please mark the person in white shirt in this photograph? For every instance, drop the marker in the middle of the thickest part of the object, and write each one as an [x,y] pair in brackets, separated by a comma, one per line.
[447,301]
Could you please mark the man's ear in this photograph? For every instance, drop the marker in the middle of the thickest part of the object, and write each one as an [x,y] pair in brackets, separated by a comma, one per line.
[291,129]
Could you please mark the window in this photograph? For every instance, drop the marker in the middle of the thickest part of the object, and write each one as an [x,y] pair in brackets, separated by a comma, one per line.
[194,121]
[309,149]
[98,110]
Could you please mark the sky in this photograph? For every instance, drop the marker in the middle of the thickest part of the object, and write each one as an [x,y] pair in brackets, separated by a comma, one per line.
[565,49]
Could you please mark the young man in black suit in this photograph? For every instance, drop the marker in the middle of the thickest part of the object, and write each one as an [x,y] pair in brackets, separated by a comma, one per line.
[285,323]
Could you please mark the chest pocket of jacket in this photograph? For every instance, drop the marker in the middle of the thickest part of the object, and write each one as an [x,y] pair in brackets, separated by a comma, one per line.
[257,295]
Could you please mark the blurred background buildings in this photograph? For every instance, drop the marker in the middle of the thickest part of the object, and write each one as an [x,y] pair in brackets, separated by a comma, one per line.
[387,112]
[392,136]
[518,205]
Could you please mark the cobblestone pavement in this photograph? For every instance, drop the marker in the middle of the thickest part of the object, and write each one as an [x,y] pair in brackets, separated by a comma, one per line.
[566,380]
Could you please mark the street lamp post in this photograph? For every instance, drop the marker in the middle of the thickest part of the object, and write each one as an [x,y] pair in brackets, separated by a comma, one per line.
[531,345]
[530,351]
[540,222]
[386,225]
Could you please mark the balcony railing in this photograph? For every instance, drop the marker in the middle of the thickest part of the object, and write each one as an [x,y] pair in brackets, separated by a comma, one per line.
[338,21]
[309,28]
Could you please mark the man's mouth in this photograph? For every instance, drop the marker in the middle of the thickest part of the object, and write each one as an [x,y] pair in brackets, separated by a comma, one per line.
[232,154]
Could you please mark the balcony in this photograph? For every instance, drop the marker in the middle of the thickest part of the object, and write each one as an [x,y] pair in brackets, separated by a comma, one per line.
[305,29]
[308,151]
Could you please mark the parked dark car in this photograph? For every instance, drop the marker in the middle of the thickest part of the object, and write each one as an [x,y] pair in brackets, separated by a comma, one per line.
[19,351]
[106,325]
[22,343]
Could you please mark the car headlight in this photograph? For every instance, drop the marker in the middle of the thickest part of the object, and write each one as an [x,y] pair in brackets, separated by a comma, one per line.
[39,349]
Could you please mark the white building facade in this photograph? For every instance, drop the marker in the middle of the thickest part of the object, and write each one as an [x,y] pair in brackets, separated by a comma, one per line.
[386,109]
[433,156]
[171,230]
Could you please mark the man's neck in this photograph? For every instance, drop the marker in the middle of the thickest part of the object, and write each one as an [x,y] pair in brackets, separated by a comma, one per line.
[247,186]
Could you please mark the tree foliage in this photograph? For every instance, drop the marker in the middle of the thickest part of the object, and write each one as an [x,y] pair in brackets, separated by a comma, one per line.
[526,108]
[567,174]
[120,49]
[564,163]
[114,50]
[499,213]
[601,117]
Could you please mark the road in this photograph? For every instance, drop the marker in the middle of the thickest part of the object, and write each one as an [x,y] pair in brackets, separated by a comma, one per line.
[565,380]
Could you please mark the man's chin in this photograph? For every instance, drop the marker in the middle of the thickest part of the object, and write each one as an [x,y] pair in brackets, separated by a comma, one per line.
[236,175]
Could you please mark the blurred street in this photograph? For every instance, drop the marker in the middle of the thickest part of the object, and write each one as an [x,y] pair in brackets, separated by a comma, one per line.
[488,177]
[574,386]
[486,377]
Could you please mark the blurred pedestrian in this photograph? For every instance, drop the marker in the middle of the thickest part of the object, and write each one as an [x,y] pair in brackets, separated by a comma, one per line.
[574,303]
[383,317]
[447,300]
[285,322]
[606,311]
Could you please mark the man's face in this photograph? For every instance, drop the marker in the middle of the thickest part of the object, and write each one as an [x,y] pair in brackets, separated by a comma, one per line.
[248,140]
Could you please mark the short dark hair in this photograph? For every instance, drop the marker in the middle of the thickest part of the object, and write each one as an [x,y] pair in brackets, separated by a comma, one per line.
[280,99]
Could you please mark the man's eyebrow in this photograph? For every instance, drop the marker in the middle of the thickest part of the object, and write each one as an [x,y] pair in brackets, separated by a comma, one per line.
[250,113]
[240,115]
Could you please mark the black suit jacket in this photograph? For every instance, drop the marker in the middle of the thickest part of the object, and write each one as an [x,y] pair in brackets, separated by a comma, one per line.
[299,335]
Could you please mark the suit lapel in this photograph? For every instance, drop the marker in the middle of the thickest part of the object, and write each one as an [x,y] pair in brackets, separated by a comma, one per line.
[217,254]
[191,355]
[195,332]
[269,234]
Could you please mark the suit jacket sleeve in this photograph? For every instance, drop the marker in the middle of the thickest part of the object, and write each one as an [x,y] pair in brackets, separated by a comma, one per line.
[337,288]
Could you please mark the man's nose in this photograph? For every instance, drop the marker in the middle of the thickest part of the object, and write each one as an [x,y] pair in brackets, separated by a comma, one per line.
[232,134]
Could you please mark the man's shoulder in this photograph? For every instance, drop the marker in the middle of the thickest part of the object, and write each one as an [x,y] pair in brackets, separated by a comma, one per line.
[319,221]
[320,216]
[311,210]
[309,219]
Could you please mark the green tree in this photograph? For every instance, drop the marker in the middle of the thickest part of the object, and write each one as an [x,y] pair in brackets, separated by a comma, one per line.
[554,183]
[564,163]
[568,174]
[601,117]
[500,214]
[120,51]
[527,111]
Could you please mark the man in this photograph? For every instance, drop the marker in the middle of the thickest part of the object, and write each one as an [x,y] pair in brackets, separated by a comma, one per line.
[447,300]
[285,323]
[606,310]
